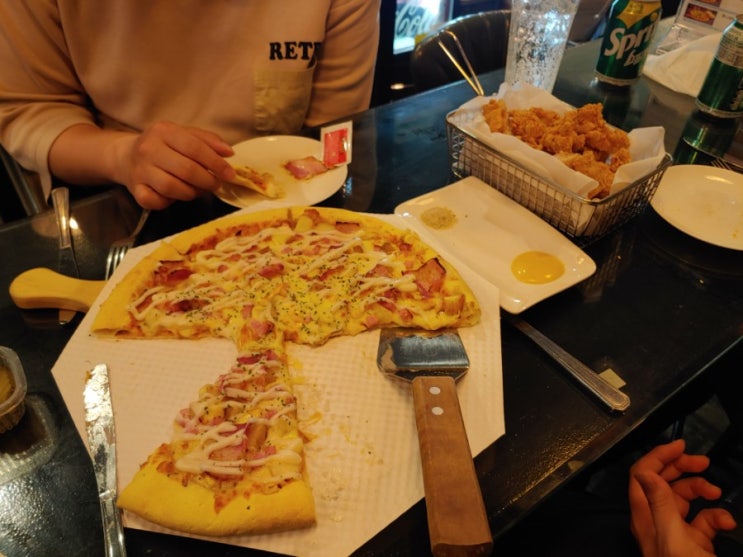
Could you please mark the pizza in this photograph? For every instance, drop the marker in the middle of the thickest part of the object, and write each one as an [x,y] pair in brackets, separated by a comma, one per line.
[261,182]
[235,461]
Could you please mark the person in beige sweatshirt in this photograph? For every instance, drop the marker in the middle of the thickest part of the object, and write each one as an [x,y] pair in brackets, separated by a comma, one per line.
[150,94]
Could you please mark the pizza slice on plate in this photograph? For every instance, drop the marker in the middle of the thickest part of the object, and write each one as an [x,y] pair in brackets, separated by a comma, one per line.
[261,182]
[235,463]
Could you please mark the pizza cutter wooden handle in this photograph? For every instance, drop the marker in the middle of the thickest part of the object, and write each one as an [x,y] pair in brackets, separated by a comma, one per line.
[457,520]
[43,288]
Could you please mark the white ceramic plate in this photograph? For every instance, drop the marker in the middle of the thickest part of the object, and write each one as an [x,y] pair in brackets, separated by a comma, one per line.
[703,201]
[490,231]
[269,154]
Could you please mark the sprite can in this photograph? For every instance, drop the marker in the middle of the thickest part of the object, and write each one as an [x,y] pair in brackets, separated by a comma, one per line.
[615,101]
[722,92]
[630,28]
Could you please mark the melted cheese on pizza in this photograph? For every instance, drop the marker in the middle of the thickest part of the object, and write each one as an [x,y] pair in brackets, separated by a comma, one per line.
[245,422]
[310,282]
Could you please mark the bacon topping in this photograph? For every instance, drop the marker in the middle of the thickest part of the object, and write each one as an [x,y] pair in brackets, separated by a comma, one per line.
[306,168]
[272,270]
[430,277]
[170,273]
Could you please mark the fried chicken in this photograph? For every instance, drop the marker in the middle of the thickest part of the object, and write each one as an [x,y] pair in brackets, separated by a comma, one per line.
[586,163]
[496,115]
[580,138]
[531,125]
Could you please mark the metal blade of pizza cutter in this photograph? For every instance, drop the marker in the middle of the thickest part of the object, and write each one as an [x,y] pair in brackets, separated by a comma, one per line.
[432,361]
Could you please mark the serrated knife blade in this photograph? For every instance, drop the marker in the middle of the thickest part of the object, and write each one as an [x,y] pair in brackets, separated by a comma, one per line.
[99,425]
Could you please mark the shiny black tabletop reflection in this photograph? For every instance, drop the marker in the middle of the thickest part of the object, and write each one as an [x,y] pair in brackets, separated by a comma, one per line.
[660,309]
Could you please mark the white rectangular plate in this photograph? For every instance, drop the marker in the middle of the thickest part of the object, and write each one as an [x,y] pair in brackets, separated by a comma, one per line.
[489,231]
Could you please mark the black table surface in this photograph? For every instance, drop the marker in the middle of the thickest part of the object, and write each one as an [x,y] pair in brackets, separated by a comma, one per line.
[661,308]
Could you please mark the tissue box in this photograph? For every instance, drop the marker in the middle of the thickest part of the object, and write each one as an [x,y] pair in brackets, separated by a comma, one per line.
[12,389]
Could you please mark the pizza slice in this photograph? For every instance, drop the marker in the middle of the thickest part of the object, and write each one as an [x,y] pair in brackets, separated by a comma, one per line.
[261,182]
[235,462]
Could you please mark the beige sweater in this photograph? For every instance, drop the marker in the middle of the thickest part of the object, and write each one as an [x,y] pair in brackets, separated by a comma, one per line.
[240,68]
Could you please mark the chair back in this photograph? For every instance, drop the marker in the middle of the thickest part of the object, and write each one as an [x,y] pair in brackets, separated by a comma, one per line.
[26,185]
[484,39]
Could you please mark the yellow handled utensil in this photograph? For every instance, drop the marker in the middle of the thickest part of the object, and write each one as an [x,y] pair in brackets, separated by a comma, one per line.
[41,288]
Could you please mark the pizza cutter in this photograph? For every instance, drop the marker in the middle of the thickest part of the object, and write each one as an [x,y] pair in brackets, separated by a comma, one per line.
[432,361]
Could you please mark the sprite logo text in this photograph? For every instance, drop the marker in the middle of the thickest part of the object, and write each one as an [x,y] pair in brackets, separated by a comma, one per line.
[624,43]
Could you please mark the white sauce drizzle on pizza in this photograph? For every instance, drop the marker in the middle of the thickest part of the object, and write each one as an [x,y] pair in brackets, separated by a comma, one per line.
[238,260]
[206,427]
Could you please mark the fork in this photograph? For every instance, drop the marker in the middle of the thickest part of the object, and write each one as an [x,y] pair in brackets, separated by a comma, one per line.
[118,249]
[720,163]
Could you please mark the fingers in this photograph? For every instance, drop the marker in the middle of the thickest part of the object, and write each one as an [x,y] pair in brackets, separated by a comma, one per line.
[670,461]
[200,150]
[660,497]
[176,163]
[711,521]
[148,198]
[658,458]
[691,488]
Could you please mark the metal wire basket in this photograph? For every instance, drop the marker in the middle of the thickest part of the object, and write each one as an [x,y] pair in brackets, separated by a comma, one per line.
[583,220]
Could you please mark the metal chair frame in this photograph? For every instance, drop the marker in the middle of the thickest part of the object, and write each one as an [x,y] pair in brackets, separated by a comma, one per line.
[26,185]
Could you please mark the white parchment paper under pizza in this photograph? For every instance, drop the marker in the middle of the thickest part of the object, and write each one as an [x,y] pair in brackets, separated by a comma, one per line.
[363,459]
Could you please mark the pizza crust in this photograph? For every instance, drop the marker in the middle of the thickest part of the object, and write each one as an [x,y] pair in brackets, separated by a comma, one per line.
[113,318]
[165,501]
[260,182]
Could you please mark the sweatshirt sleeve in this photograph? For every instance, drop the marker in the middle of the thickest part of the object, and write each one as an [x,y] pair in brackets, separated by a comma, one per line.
[345,73]
[40,95]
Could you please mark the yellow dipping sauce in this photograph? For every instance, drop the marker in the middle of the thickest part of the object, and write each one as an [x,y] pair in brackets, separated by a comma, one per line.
[537,267]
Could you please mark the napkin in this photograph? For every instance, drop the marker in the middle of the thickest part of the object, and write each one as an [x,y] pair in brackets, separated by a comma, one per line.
[683,70]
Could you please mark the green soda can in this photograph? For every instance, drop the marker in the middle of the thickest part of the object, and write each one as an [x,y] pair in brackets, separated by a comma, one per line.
[709,134]
[722,92]
[624,48]
[616,101]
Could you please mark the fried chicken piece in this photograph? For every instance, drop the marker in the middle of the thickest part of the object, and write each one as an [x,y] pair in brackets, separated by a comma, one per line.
[580,138]
[531,124]
[586,163]
[559,140]
[618,158]
[496,116]
[588,118]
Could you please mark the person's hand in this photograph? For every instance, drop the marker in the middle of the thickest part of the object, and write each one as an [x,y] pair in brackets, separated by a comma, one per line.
[659,504]
[168,162]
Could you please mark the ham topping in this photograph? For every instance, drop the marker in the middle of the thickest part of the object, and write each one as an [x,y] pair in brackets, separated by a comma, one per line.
[306,168]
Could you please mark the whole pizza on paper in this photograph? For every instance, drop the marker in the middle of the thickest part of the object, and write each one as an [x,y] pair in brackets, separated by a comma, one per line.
[235,463]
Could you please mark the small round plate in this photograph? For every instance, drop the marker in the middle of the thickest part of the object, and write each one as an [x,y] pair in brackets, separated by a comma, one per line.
[269,154]
[705,202]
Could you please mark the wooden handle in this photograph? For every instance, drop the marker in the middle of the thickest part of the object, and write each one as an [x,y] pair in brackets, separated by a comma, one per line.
[457,520]
[43,288]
